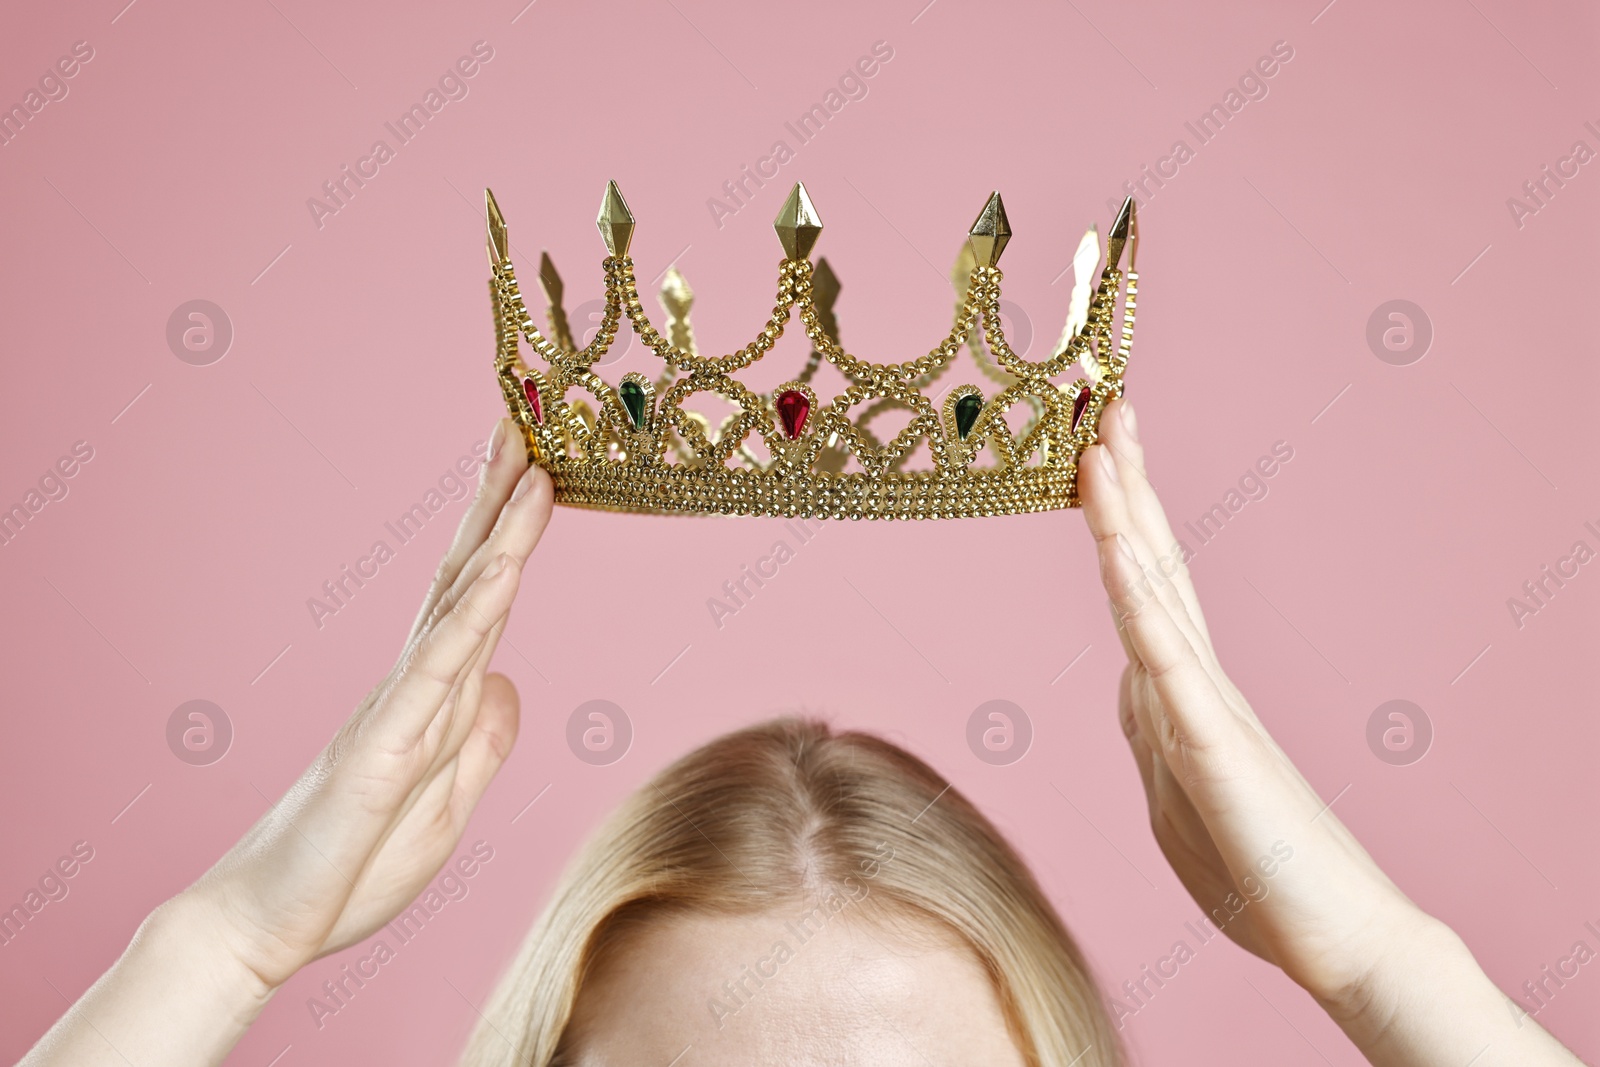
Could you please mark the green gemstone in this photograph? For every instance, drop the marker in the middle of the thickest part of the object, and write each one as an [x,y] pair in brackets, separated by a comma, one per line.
[633,398]
[968,408]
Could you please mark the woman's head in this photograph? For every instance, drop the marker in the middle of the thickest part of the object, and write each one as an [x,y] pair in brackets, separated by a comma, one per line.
[786,893]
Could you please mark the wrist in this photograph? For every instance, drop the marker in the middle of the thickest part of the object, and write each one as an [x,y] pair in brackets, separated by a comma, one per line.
[1399,948]
[1422,998]
[177,994]
[187,937]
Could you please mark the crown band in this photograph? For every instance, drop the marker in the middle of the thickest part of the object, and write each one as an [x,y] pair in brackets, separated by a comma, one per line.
[638,449]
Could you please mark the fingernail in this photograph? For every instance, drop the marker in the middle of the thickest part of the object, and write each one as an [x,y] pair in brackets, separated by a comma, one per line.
[523,485]
[1126,549]
[1129,423]
[499,565]
[1108,464]
[496,439]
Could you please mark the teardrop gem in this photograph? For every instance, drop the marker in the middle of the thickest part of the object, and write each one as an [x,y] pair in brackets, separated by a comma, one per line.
[633,399]
[968,408]
[793,410]
[530,389]
[1079,405]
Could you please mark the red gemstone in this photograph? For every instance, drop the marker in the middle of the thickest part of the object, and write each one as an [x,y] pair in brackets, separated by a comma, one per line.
[793,409]
[1079,405]
[531,389]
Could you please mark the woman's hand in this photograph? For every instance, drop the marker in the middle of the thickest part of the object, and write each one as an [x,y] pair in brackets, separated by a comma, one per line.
[382,808]
[1222,794]
[1262,854]
[358,835]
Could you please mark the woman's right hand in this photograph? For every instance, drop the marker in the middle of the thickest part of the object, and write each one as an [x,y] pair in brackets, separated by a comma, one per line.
[383,806]
[356,838]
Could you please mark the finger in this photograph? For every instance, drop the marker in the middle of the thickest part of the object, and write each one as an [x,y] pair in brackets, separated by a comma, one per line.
[1143,757]
[486,749]
[1207,753]
[1139,698]
[440,660]
[1181,597]
[1199,718]
[479,742]
[1105,508]
[1122,633]
[324,829]
[501,469]
[465,710]
[1119,433]
[1173,816]
[450,731]
[516,533]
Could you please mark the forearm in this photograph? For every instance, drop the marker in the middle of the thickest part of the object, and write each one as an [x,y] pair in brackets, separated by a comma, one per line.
[1427,1003]
[175,997]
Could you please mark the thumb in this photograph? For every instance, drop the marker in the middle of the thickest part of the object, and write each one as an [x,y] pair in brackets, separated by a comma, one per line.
[1143,757]
[486,748]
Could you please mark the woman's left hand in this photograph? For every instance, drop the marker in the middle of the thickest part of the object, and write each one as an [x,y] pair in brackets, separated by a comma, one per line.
[1257,848]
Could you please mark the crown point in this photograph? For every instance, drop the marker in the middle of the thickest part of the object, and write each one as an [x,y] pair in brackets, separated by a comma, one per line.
[824,286]
[990,232]
[615,221]
[676,296]
[798,224]
[499,241]
[1087,253]
[1083,264]
[1124,231]
[549,279]
[961,269]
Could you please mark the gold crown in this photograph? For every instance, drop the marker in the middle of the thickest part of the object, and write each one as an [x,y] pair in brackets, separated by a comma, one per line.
[781,452]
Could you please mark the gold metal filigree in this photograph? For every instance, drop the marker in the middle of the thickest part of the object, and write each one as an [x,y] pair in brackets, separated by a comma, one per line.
[673,461]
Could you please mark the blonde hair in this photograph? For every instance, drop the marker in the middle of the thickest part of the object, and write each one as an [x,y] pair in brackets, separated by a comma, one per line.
[764,817]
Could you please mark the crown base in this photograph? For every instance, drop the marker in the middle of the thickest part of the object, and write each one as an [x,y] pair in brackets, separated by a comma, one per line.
[673,490]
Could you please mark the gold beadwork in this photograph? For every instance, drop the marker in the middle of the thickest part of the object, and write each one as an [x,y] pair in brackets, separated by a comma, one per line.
[675,461]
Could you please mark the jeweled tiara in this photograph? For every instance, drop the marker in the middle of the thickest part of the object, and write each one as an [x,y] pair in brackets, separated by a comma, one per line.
[634,446]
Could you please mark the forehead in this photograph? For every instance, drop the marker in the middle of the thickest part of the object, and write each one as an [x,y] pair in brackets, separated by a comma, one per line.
[793,987]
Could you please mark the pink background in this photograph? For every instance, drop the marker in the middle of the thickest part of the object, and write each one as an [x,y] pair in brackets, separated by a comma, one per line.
[1378,567]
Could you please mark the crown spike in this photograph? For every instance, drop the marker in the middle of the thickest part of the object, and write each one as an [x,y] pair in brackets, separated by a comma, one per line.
[824,294]
[549,278]
[615,221]
[1083,264]
[499,241]
[961,269]
[798,224]
[1124,231]
[824,287]
[554,289]
[675,294]
[676,299]
[990,232]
